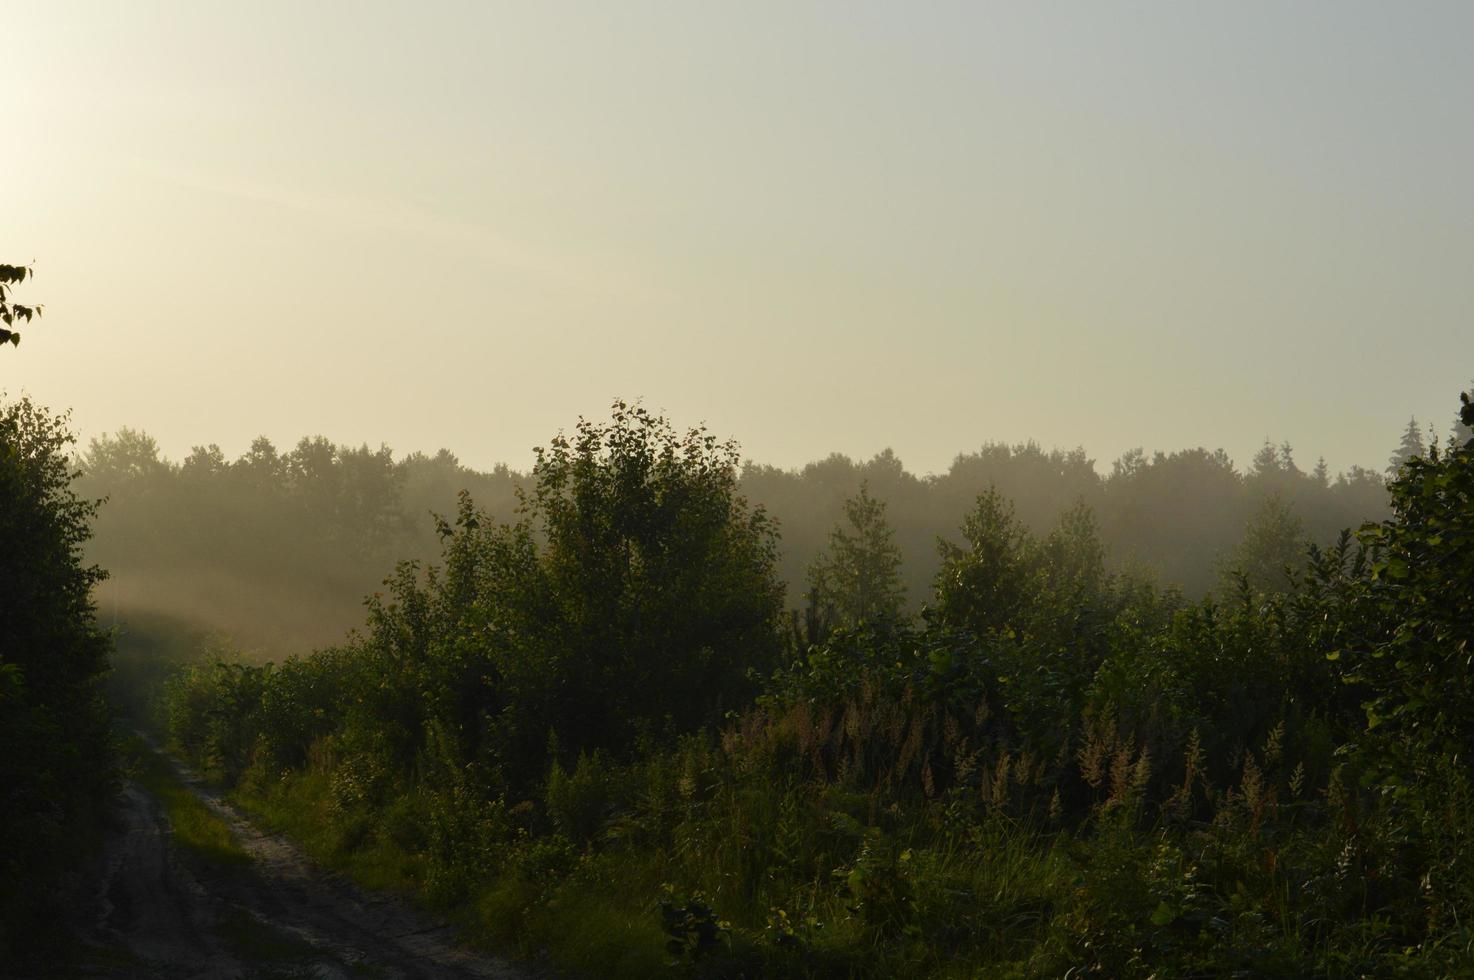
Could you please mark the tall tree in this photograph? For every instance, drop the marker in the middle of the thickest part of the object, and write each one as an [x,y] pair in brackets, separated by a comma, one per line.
[984,583]
[859,576]
[1273,548]
[660,573]
[1411,446]
[1410,649]
[56,773]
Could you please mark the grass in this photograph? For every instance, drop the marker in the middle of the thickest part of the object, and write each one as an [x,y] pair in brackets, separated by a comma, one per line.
[599,922]
[274,954]
[599,915]
[602,922]
[197,828]
[300,807]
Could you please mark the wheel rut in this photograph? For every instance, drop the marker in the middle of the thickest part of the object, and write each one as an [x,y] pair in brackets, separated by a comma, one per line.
[157,913]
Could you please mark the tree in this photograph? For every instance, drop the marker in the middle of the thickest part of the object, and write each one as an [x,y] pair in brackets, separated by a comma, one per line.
[1409,646]
[1004,580]
[12,312]
[1273,548]
[984,584]
[663,574]
[635,593]
[1463,432]
[117,460]
[1269,460]
[859,576]
[1410,447]
[56,772]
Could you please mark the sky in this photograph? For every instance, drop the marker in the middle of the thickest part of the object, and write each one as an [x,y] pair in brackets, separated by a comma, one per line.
[814,227]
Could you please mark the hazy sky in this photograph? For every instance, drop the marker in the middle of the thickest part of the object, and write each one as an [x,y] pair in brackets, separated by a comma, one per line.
[816,227]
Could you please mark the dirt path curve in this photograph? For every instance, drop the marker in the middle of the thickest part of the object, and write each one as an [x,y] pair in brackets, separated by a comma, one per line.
[162,915]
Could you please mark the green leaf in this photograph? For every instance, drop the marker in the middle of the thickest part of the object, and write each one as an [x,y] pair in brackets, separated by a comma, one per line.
[1164,915]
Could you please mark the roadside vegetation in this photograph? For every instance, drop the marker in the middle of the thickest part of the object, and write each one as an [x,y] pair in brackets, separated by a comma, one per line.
[58,772]
[594,736]
[195,827]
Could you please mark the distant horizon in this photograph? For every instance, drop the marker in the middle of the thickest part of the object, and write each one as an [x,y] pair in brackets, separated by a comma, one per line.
[810,225]
[1305,458]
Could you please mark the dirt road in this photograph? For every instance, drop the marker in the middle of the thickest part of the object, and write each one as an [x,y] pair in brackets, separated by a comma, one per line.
[157,913]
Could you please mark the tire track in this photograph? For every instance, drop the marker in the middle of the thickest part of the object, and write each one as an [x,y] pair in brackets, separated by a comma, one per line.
[157,913]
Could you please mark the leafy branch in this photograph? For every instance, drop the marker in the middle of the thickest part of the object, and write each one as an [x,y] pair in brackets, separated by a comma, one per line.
[12,312]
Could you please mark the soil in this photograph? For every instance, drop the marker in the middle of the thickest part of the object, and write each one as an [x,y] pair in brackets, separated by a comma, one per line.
[153,911]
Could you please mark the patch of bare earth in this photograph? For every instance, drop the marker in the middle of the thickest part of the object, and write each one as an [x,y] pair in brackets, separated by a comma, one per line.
[157,913]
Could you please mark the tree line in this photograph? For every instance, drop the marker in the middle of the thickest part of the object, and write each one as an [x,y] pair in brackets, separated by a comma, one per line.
[277,547]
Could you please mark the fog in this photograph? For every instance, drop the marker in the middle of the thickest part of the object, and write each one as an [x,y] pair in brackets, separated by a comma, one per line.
[798,489]
[278,549]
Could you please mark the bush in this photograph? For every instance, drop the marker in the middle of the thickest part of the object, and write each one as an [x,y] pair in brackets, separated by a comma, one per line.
[580,802]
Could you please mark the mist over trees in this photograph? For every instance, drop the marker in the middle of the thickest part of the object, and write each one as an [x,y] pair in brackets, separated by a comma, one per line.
[587,712]
[857,578]
[583,682]
[278,547]
[637,703]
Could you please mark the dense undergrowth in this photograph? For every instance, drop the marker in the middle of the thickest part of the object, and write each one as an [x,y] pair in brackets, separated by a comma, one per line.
[586,736]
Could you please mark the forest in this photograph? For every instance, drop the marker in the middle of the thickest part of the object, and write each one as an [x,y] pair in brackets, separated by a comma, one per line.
[737,491]
[278,548]
[651,709]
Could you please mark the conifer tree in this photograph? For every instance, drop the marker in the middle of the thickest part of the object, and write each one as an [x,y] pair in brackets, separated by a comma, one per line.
[1272,549]
[1266,460]
[859,576]
[1411,446]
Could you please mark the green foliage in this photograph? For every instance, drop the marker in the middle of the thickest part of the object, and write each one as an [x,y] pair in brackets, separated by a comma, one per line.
[1412,643]
[692,924]
[579,803]
[12,312]
[277,547]
[634,594]
[196,827]
[1462,433]
[1409,448]
[983,585]
[1045,610]
[215,715]
[1055,770]
[660,575]
[56,761]
[859,576]
[1004,581]
[1272,553]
